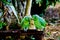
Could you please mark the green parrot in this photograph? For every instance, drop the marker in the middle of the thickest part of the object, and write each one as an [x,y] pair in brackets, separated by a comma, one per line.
[39,22]
[25,22]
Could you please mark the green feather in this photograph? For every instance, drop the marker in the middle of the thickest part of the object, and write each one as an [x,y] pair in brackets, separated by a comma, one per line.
[39,22]
[25,22]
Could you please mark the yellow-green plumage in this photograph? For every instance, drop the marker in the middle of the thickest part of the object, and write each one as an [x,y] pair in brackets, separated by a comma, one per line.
[39,22]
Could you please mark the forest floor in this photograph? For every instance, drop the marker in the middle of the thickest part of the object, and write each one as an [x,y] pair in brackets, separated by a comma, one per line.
[52,32]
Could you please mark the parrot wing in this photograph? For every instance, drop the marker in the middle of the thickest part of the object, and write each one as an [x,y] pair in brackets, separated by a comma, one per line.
[39,22]
[25,22]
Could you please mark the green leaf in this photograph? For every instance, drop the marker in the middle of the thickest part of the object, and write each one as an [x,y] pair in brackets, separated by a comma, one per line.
[49,33]
[5,2]
[2,24]
[38,1]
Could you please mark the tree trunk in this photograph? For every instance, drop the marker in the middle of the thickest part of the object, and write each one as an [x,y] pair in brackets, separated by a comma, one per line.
[28,8]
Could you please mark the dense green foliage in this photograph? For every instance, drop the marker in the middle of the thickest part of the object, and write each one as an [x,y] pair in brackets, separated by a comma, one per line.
[5,2]
[48,2]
